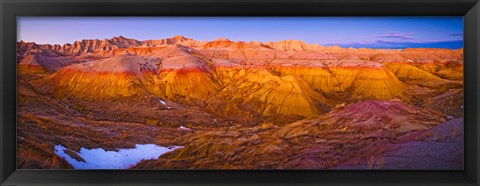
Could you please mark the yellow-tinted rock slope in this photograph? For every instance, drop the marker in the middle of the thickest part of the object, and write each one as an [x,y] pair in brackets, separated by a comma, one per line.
[257,90]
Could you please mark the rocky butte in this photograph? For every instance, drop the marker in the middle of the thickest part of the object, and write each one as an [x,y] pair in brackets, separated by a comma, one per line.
[246,105]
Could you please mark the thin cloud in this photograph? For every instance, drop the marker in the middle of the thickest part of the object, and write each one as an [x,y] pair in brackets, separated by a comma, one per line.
[452,44]
[456,34]
[394,35]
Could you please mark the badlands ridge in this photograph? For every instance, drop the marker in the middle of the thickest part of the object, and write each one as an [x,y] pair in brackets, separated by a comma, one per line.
[287,98]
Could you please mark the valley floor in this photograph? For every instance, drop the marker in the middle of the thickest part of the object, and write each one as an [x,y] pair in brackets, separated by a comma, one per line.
[363,135]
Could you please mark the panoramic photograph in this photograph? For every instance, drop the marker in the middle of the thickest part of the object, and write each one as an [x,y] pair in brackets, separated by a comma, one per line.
[240,93]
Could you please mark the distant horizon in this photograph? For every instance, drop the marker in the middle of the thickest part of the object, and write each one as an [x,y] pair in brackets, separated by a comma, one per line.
[346,32]
[340,45]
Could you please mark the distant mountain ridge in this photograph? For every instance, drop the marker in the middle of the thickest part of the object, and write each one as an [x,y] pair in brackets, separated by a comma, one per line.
[95,45]
[90,46]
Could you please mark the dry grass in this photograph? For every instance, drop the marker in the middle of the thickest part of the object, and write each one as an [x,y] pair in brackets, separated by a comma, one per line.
[375,162]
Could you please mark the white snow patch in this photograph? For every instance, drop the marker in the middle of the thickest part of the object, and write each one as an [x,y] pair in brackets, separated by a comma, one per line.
[184,128]
[409,60]
[163,102]
[121,159]
[461,106]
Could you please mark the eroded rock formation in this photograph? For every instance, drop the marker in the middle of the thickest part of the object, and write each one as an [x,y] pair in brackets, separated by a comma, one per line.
[246,105]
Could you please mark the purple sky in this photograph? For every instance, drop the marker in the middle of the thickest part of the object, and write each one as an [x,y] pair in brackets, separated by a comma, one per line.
[370,32]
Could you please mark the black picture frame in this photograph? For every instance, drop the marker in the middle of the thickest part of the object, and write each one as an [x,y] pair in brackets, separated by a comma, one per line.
[10,9]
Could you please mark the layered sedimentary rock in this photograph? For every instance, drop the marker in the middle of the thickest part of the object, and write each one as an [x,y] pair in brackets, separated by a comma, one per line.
[350,132]
[123,76]
[371,83]
[183,77]
[235,104]
[287,77]
[367,115]
[30,65]
[259,91]
[281,48]
[319,77]
[450,103]
[87,46]
[413,75]
[177,39]
[452,70]
[43,61]
[360,82]
[440,147]
[120,76]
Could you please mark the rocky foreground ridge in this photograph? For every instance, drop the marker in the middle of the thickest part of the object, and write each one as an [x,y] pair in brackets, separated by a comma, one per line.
[288,98]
